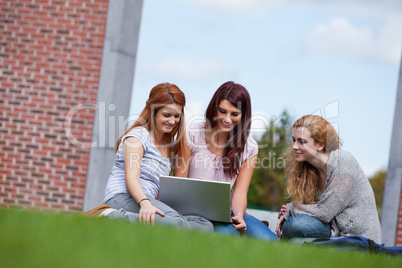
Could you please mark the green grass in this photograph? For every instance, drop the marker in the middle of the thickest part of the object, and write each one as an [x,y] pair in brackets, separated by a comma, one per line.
[44,239]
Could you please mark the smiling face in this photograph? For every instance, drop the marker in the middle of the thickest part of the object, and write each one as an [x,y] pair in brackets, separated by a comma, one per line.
[167,118]
[304,147]
[228,116]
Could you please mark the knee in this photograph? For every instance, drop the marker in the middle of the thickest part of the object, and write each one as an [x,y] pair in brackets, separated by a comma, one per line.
[305,226]
[292,228]
[226,229]
[207,226]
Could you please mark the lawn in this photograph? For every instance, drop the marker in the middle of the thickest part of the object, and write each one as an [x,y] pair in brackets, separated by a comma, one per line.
[45,239]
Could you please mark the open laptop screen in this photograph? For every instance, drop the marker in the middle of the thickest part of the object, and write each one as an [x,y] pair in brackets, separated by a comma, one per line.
[205,198]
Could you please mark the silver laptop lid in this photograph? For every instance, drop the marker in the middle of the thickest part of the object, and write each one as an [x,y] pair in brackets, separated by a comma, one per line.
[208,199]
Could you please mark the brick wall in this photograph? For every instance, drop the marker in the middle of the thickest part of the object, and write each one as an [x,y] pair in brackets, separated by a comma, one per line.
[50,60]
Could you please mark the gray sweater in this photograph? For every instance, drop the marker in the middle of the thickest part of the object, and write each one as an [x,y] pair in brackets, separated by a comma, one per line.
[347,202]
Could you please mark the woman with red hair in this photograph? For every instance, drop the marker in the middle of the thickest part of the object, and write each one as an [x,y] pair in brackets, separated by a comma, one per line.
[143,153]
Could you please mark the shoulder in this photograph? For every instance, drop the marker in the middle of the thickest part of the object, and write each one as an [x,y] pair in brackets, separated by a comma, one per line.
[340,157]
[195,131]
[342,162]
[196,127]
[141,134]
[251,143]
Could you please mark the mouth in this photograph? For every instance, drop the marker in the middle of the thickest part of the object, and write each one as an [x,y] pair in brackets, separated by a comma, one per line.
[168,126]
[226,125]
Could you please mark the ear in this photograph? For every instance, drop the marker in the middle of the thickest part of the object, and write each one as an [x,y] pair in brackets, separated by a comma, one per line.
[321,147]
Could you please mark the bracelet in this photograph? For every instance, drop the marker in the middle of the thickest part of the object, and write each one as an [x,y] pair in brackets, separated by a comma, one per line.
[142,200]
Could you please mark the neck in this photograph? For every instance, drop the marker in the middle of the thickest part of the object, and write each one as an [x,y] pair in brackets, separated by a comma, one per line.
[220,137]
[157,137]
[320,163]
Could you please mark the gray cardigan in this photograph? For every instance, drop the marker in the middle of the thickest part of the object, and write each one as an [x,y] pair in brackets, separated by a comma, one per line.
[347,202]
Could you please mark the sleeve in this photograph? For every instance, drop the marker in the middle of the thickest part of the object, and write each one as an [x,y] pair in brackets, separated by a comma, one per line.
[250,149]
[190,138]
[194,132]
[142,135]
[289,209]
[338,195]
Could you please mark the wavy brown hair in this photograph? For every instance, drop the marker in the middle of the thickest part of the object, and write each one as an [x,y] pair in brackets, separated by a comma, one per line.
[237,95]
[302,177]
[160,96]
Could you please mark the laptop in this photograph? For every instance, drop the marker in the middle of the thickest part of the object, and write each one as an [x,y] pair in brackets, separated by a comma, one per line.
[204,198]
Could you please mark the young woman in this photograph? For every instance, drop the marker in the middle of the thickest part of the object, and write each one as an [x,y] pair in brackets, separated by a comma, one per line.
[222,150]
[145,151]
[331,194]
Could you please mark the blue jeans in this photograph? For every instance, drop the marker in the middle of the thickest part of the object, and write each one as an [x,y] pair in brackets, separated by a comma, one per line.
[304,226]
[255,228]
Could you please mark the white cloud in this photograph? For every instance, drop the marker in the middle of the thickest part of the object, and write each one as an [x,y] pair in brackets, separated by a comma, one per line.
[259,123]
[340,36]
[176,69]
[234,7]
[194,112]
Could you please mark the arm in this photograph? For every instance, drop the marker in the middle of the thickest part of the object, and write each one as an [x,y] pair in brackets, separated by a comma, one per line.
[239,198]
[281,221]
[337,196]
[133,152]
[181,165]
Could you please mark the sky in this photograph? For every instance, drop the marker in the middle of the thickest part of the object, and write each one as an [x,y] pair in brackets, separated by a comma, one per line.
[340,61]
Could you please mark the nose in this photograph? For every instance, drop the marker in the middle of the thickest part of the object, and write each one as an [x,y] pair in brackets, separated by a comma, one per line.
[228,119]
[294,146]
[172,121]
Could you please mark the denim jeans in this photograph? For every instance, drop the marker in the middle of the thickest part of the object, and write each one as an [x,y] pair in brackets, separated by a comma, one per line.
[255,228]
[305,226]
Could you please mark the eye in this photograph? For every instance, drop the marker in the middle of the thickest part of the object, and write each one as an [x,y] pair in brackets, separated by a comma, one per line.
[236,114]
[222,111]
[166,115]
[177,116]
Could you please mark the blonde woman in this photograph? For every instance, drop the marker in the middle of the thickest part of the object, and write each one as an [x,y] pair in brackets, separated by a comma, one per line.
[331,194]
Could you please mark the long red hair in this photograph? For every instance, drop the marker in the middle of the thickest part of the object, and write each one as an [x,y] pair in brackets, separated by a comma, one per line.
[161,95]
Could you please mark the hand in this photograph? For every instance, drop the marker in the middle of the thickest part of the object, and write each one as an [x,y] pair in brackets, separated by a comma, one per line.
[279,226]
[238,223]
[282,211]
[147,213]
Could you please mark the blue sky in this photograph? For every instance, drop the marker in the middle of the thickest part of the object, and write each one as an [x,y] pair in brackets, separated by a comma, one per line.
[337,60]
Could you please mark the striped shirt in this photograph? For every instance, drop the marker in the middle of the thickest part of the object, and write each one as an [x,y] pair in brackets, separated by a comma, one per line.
[153,164]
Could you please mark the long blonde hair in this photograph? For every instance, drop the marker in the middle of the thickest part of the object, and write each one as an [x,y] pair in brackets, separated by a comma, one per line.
[302,177]
[161,95]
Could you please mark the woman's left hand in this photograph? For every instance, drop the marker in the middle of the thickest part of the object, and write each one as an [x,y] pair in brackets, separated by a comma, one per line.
[238,223]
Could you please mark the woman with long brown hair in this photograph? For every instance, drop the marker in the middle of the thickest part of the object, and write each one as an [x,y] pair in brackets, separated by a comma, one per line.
[331,194]
[143,153]
[222,150]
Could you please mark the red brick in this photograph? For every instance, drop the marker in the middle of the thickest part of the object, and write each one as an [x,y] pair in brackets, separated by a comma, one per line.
[37,112]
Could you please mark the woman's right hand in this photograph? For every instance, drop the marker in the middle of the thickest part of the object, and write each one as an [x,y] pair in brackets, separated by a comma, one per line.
[282,211]
[279,226]
[147,212]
